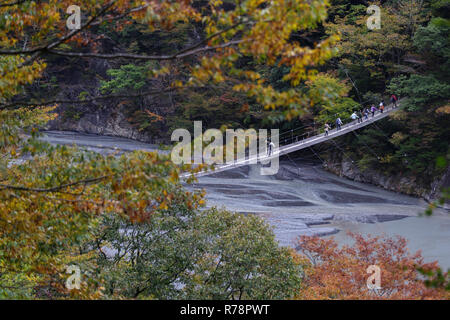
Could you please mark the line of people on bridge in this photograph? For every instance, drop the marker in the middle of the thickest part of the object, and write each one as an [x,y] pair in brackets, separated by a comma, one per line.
[362,114]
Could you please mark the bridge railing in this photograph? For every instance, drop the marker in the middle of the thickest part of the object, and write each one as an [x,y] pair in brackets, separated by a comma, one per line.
[290,136]
[305,137]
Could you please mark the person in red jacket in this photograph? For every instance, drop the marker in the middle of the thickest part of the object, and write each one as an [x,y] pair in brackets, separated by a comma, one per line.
[394,100]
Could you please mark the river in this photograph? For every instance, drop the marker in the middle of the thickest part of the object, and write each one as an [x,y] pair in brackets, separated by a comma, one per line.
[304,199]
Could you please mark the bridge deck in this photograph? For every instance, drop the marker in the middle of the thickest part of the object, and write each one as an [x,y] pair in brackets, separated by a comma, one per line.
[301,144]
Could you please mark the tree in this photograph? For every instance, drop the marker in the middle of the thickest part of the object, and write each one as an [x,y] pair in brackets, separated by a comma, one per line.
[240,259]
[335,272]
[215,254]
[337,103]
[129,225]
[422,92]
[407,57]
[244,30]
[370,57]
[55,200]
[433,43]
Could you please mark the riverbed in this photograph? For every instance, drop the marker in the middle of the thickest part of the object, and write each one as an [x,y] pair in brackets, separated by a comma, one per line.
[304,199]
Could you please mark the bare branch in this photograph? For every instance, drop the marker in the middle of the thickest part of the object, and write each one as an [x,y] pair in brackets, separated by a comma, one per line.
[204,41]
[180,54]
[56,43]
[97,98]
[10,4]
[120,16]
[53,189]
[177,55]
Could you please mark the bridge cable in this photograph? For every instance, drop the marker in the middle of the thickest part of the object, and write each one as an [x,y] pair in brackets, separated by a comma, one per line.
[295,164]
[381,130]
[323,162]
[370,149]
[361,105]
[343,152]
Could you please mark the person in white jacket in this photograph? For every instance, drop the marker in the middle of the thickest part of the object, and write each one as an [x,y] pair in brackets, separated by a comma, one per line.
[270,148]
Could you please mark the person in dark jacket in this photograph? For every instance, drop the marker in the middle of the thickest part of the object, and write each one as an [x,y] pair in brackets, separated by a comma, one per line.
[338,123]
[360,115]
[366,113]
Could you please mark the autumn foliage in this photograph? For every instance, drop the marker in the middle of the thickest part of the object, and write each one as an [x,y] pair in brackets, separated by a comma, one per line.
[62,205]
[333,272]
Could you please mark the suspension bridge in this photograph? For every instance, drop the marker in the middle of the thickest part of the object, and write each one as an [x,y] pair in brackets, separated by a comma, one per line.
[292,142]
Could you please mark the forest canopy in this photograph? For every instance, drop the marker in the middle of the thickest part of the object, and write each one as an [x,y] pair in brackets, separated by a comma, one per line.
[127,220]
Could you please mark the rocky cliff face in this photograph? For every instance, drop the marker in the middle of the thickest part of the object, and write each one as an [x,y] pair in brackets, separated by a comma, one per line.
[111,121]
[80,79]
[401,183]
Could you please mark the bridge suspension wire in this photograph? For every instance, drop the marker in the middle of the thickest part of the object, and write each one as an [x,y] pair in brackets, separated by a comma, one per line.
[343,152]
[360,105]
[377,157]
[318,152]
[314,155]
[370,149]
[381,130]
[308,157]
[388,137]
[338,147]
[291,131]
[347,125]
[323,162]
[298,168]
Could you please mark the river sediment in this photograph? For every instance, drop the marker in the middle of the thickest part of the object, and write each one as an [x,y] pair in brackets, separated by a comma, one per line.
[304,199]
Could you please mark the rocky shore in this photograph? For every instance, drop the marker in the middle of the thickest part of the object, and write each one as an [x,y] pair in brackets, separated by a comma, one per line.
[401,183]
